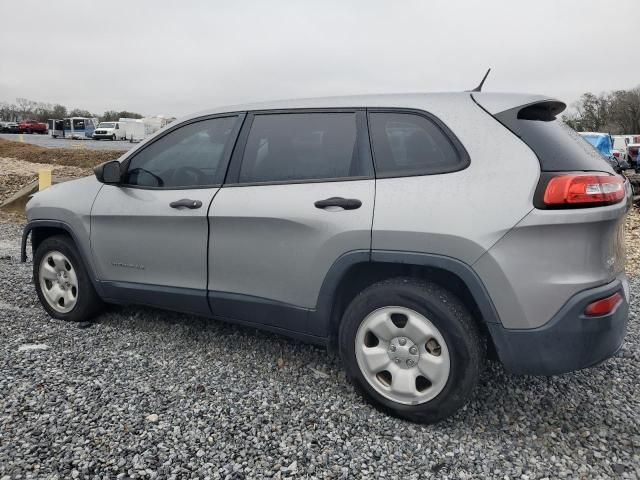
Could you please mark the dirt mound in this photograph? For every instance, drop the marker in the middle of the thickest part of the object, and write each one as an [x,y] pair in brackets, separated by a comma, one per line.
[83,158]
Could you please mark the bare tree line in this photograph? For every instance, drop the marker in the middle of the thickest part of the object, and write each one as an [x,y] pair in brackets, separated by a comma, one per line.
[25,109]
[616,112]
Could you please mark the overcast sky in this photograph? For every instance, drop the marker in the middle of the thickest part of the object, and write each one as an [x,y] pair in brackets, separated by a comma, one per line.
[176,57]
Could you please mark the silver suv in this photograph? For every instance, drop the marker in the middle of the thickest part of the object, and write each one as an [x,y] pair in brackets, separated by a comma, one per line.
[417,234]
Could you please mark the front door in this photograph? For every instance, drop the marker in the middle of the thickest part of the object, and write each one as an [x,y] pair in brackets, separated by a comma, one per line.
[149,235]
[299,195]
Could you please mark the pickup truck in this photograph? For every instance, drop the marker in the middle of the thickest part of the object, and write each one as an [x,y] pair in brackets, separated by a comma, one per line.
[31,126]
[9,127]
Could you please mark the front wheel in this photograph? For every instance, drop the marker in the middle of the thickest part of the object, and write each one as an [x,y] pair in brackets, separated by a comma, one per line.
[113,137]
[62,282]
[411,348]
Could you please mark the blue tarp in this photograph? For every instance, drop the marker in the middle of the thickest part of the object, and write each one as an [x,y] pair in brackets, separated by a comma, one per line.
[601,141]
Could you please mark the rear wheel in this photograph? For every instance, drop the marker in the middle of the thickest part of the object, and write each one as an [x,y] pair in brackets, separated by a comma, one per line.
[411,348]
[62,282]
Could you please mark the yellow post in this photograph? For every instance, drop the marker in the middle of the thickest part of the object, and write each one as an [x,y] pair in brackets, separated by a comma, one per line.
[44,178]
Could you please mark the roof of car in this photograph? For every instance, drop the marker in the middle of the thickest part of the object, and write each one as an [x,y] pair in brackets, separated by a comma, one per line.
[492,102]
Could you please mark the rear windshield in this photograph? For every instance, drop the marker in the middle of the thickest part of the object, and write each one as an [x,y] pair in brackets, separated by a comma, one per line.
[557,146]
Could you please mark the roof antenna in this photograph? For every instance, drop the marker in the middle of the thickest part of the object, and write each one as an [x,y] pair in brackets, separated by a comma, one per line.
[479,87]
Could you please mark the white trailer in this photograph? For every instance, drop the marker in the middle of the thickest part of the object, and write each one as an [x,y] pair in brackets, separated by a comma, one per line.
[135,129]
[153,124]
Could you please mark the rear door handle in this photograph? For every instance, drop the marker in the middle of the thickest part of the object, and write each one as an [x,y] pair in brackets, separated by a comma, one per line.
[345,203]
[186,203]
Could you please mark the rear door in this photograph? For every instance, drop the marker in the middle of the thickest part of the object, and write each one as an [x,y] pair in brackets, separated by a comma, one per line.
[299,195]
[149,235]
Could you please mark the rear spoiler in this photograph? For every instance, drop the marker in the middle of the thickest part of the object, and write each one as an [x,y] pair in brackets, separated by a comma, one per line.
[495,103]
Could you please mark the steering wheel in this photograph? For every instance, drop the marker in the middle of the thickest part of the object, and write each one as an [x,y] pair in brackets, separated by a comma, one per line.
[185,176]
[135,171]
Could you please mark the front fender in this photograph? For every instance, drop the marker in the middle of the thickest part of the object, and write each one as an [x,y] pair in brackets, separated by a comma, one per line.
[85,255]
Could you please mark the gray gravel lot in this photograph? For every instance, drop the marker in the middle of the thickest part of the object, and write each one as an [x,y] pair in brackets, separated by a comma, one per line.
[49,142]
[150,394]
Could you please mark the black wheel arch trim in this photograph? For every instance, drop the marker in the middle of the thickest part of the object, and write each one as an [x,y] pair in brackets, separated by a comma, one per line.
[86,259]
[324,309]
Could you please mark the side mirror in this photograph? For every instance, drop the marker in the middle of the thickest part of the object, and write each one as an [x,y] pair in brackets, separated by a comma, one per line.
[108,172]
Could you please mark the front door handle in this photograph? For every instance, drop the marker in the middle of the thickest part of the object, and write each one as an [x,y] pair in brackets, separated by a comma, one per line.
[345,203]
[186,203]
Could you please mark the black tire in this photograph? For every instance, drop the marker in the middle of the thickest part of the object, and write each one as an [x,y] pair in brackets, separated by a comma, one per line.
[88,303]
[453,320]
[113,137]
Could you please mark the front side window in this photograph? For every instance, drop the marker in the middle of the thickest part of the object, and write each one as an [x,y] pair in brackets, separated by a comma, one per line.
[409,144]
[190,156]
[289,147]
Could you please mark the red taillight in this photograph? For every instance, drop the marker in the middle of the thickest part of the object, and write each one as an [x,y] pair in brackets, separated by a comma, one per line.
[616,154]
[584,189]
[603,306]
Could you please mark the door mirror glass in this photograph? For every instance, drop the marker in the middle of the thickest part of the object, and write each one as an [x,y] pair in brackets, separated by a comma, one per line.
[108,172]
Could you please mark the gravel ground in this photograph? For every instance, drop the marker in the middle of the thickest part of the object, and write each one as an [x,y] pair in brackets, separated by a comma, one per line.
[50,142]
[15,174]
[149,394]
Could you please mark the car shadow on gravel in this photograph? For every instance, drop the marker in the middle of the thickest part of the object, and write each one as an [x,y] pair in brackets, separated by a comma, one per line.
[201,333]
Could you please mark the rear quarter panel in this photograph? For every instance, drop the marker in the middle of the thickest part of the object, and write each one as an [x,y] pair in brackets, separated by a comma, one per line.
[460,214]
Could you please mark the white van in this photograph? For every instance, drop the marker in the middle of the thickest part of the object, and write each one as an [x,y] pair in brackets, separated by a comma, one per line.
[111,131]
[620,143]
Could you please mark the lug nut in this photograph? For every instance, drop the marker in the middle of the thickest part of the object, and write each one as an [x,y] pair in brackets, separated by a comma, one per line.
[397,360]
[392,348]
[410,363]
[413,350]
[402,341]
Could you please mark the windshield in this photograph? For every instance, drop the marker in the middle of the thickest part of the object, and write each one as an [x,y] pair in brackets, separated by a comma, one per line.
[107,125]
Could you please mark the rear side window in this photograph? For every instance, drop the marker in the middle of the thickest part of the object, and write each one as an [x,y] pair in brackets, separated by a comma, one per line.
[557,146]
[289,147]
[410,144]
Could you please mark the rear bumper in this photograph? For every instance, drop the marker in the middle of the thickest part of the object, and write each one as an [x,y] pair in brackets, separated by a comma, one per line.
[570,341]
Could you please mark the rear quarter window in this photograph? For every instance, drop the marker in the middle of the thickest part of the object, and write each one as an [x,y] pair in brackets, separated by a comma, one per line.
[408,144]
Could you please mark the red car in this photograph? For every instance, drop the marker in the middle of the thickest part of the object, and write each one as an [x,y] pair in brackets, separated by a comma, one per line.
[31,126]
